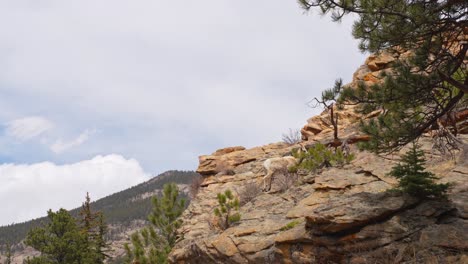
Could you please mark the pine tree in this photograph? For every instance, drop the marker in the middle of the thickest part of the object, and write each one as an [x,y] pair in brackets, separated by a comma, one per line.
[8,254]
[413,179]
[60,241]
[102,246]
[94,230]
[65,240]
[227,203]
[87,224]
[153,243]
[431,84]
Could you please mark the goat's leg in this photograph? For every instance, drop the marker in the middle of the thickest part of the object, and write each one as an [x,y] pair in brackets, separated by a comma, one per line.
[271,181]
[266,178]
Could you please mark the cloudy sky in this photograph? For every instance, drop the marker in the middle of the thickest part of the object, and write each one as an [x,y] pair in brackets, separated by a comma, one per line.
[101,95]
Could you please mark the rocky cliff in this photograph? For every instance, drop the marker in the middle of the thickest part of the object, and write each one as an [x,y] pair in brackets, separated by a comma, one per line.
[339,215]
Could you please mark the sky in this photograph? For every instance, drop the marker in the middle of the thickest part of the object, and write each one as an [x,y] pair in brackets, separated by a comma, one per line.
[101,95]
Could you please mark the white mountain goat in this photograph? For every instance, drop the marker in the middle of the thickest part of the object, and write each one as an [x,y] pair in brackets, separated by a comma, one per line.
[274,165]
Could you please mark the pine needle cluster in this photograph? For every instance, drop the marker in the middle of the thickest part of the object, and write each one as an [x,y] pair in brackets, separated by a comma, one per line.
[227,204]
[153,244]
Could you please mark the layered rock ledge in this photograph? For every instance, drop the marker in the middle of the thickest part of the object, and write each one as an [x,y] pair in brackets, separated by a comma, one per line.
[339,215]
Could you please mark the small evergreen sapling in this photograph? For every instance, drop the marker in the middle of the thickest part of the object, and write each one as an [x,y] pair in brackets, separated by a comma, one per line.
[227,204]
[153,243]
[413,179]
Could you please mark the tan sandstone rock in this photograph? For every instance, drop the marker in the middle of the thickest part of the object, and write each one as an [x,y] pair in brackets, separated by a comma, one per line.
[356,210]
[344,215]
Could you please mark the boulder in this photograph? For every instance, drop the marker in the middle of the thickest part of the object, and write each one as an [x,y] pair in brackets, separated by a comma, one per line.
[378,62]
[452,236]
[354,211]
[337,179]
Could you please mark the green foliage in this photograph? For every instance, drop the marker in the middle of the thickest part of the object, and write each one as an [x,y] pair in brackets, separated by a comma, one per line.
[65,240]
[413,179]
[119,208]
[94,229]
[320,156]
[60,241]
[8,254]
[331,99]
[424,86]
[290,225]
[227,203]
[37,260]
[409,110]
[153,243]
[332,95]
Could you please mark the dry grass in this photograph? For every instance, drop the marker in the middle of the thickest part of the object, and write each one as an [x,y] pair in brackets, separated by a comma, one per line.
[409,254]
[248,192]
[223,168]
[292,137]
[283,180]
[195,186]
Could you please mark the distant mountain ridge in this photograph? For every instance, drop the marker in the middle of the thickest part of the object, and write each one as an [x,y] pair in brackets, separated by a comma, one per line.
[120,209]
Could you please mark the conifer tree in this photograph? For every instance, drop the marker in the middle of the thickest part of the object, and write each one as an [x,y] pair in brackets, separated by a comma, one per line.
[428,85]
[153,243]
[227,204]
[414,179]
[66,240]
[60,241]
[102,246]
[8,254]
[94,230]
[87,224]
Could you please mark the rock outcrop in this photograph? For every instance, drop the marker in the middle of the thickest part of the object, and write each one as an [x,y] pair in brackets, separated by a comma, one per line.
[370,73]
[339,215]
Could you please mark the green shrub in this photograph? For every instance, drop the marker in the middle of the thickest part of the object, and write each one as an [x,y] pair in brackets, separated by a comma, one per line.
[227,204]
[413,179]
[153,243]
[320,156]
[290,225]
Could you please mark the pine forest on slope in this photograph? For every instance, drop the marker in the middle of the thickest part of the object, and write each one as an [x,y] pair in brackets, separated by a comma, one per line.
[120,208]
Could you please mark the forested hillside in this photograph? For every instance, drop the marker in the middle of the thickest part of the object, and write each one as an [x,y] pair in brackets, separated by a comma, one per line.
[119,208]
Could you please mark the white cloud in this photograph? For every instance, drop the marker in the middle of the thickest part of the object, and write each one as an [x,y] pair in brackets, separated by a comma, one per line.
[167,62]
[28,191]
[28,127]
[60,146]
